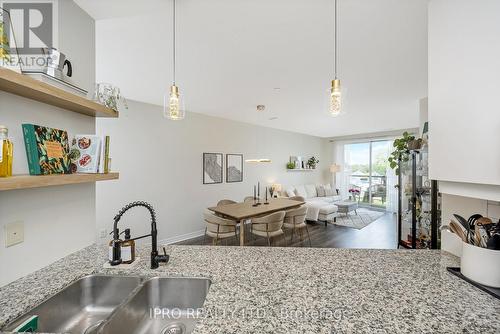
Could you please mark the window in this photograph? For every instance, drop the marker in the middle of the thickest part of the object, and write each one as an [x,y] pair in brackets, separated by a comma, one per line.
[369,177]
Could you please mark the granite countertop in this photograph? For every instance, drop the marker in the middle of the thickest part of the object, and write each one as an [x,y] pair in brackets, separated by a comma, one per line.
[296,290]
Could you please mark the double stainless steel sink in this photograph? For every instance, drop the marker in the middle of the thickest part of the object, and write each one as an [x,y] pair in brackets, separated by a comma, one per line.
[121,304]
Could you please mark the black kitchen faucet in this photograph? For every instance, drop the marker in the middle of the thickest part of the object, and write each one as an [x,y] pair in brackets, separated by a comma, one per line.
[116,244]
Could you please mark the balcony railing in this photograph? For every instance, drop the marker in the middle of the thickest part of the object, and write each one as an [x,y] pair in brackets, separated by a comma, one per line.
[376,190]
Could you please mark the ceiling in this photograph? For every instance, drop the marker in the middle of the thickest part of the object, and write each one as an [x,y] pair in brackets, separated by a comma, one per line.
[235,54]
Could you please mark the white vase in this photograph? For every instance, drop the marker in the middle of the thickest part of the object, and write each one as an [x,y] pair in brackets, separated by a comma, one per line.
[481,265]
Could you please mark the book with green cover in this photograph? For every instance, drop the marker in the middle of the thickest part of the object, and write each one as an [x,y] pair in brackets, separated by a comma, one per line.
[47,150]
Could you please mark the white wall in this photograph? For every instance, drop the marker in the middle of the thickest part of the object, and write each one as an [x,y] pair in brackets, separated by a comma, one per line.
[77,42]
[58,220]
[464,118]
[160,161]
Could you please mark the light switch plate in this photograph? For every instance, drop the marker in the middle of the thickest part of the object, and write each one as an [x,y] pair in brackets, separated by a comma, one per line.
[103,234]
[14,233]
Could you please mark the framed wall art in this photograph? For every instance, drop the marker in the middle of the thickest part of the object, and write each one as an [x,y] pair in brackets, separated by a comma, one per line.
[212,168]
[234,168]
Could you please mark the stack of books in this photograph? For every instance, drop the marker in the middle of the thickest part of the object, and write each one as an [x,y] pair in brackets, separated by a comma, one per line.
[49,151]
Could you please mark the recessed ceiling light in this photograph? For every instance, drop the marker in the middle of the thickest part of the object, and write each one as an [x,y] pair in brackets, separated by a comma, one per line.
[272,118]
[277,89]
[261,107]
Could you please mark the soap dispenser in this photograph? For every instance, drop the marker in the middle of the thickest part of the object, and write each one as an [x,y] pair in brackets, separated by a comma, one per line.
[128,248]
[115,249]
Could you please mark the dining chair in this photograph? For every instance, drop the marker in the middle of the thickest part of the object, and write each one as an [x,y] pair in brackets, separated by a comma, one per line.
[297,198]
[248,199]
[218,227]
[295,219]
[225,202]
[268,226]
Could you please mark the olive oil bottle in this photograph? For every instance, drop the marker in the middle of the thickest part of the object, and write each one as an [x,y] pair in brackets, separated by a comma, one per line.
[6,152]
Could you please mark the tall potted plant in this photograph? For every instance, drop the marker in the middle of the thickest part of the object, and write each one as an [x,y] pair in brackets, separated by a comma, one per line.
[401,151]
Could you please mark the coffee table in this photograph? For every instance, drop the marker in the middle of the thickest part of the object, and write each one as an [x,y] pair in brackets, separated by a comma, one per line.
[347,206]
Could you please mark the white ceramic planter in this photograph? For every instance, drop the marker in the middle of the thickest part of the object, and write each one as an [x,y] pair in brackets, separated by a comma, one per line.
[481,265]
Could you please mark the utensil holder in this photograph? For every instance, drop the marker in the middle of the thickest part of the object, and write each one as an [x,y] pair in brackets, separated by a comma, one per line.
[481,265]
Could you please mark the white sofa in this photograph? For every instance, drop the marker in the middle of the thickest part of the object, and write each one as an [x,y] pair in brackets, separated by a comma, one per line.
[320,201]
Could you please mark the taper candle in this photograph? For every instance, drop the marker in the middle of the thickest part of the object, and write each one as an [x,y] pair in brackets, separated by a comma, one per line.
[254,196]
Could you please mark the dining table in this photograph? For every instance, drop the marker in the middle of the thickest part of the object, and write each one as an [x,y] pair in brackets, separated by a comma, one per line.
[240,212]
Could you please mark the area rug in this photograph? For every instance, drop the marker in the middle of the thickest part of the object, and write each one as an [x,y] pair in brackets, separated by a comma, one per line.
[358,221]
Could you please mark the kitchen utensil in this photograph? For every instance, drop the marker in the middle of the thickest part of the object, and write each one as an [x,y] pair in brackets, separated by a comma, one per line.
[477,237]
[472,220]
[484,221]
[466,226]
[494,242]
[56,61]
[480,236]
[458,230]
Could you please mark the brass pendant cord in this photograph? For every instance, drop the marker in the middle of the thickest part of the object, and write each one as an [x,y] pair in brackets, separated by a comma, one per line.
[173,39]
[335,41]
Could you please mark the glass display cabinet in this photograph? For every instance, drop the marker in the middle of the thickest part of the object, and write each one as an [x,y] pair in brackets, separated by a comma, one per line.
[419,203]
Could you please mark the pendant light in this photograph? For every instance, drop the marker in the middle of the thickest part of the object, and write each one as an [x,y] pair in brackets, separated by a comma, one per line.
[335,92]
[258,160]
[173,106]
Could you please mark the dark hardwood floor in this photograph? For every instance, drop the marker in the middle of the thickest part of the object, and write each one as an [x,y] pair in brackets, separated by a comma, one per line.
[379,234]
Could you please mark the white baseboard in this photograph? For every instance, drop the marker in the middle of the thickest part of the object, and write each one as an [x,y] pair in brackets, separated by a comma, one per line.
[180,238]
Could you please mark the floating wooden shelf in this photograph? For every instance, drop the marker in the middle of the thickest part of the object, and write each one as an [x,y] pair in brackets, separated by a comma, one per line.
[37,181]
[30,88]
[300,170]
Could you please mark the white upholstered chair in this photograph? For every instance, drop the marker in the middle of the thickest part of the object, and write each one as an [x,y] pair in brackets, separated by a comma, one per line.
[218,228]
[295,219]
[268,226]
[225,202]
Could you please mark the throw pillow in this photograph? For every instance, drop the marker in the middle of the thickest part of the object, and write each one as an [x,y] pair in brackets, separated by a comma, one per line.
[320,190]
[311,190]
[300,191]
[328,190]
[290,192]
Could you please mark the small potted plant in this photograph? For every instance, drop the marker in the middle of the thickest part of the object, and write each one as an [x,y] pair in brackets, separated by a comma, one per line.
[311,163]
[354,193]
[290,165]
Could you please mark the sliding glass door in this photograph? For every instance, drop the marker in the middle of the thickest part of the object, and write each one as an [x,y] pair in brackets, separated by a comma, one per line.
[368,173]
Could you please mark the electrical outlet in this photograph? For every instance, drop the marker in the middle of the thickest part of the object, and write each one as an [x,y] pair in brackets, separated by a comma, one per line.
[103,233]
[14,233]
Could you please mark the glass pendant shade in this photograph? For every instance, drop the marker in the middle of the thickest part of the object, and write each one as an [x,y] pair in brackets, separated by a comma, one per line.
[173,104]
[257,160]
[335,98]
